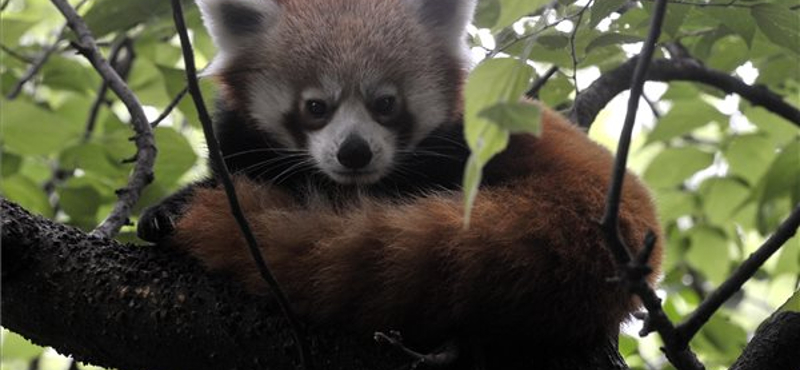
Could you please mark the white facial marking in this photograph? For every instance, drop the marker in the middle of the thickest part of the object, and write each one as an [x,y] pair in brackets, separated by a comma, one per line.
[352,118]
[268,100]
[427,104]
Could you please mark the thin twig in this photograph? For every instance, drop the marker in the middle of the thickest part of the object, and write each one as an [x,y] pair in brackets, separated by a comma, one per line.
[445,356]
[168,110]
[743,273]
[146,148]
[633,269]
[37,65]
[533,92]
[573,53]
[653,108]
[4,5]
[223,175]
[16,55]
[40,61]
[123,68]
[535,33]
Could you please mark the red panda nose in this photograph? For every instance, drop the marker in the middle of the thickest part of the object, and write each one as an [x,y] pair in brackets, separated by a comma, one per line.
[354,153]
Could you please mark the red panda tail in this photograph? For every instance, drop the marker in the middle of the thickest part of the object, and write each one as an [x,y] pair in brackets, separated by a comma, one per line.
[533,259]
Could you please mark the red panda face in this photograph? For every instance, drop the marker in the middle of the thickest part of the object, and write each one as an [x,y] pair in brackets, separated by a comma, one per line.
[352,82]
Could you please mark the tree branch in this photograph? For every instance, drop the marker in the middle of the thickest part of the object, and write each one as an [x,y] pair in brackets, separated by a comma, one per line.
[633,269]
[743,273]
[135,307]
[122,66]
[168,110]
[149,307]
[533,91]
[223,175]
[146,149]
[775,345]
[594,98]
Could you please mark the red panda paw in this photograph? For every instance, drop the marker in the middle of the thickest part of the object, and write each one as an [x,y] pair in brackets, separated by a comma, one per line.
[209,232]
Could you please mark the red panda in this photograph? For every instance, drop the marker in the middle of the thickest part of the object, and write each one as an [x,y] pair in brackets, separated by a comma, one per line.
[363,96]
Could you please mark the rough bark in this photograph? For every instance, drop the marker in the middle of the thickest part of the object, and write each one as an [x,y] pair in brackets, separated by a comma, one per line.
[775,346]
[149,308]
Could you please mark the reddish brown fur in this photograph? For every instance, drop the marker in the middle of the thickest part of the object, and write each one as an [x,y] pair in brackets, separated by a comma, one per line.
[533,260]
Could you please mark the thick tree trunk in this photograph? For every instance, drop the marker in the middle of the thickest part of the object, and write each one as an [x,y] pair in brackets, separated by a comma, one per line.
[149,308]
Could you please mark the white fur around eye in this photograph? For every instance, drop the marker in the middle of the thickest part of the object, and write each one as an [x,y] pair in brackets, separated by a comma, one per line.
[268,101]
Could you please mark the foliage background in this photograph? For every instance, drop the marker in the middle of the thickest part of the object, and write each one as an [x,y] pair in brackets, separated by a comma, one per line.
[724,173]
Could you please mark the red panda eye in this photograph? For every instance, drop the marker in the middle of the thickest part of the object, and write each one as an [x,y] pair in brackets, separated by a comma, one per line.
[385,105]
[317,108]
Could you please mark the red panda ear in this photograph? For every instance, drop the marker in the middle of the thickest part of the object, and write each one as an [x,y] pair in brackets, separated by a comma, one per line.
[233,24]
[448,19]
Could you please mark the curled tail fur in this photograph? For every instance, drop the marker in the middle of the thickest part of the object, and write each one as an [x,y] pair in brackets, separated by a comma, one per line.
[532,261]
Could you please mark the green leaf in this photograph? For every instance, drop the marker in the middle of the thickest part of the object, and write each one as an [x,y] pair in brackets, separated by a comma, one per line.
[602,9]
[557,91]
[27,194]
[107,16]
[721,197]
[513,10]
[681,91]
[175,156]
[175,81]
[675,203]
[780,25]
[473,172]
[683,118]
[148,82]
[792,304]
[709,244]
[493,81]
[736,19]
[15,346]
[727,54]
[553,41]
[783,176]
[487,13]
[612,38]
[721,340]
[673,166]
[81,204]
[69,74]
[789,257]
[13,29]
[92,158]
[777,70]
[515,117]
[747,154]
[10,164]
[779,188]
[676,14]
[31,130]
[780,131]
[628,345]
